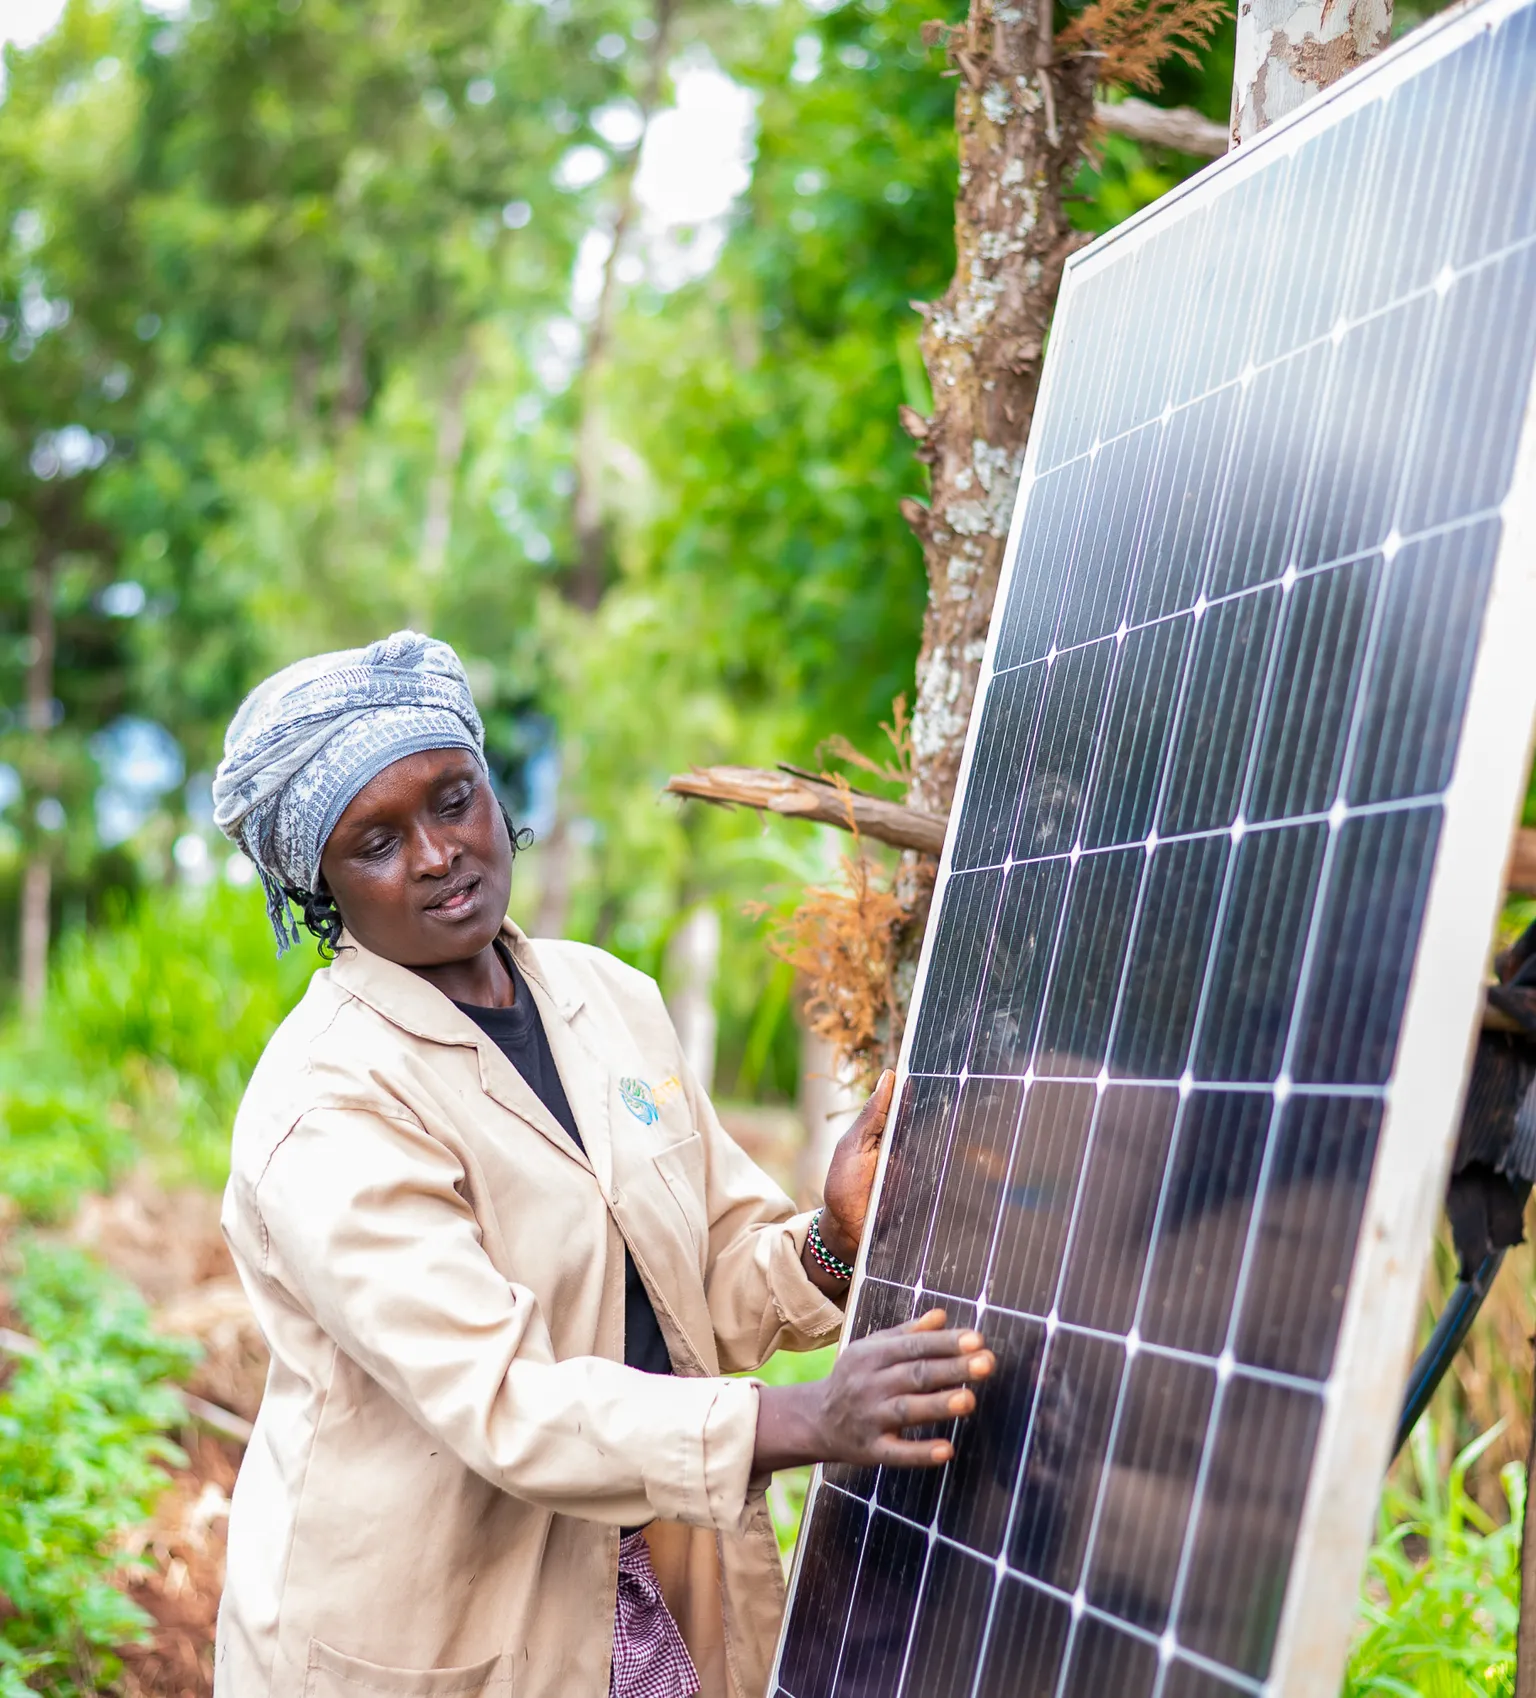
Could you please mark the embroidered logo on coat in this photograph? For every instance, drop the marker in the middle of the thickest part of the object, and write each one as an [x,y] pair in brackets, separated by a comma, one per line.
[639,1101]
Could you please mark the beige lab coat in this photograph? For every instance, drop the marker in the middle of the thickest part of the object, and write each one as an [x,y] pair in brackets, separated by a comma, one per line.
[449,1440]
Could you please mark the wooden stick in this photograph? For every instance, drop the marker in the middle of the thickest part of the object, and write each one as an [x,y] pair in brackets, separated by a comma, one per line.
[800,796]
[1178,127]
[222,1422]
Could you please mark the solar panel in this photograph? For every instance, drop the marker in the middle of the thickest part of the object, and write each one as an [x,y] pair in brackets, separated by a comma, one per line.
[1195,1006]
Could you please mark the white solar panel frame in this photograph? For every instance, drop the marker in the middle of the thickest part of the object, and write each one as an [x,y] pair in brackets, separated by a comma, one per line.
[1363,1395]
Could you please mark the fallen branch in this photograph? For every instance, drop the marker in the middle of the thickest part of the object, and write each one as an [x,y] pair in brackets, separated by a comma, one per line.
[223,1423]
[1178,127]
[802,796]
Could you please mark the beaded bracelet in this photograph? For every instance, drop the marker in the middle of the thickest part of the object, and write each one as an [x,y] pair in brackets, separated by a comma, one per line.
[833,1266]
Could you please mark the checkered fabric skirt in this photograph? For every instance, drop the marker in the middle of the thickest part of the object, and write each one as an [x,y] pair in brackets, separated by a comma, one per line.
[650,1659]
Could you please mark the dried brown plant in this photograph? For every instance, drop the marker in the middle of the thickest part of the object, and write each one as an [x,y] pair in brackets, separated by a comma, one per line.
[898,733]
[1134,39]
[847,945]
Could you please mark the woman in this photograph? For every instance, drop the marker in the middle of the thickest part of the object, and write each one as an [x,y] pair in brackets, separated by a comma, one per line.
[502,1252]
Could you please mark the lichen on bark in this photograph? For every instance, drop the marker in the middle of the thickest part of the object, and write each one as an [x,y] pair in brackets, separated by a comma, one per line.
[1021,117]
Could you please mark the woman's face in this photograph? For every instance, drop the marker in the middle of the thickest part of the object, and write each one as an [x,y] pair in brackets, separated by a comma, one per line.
[420,863]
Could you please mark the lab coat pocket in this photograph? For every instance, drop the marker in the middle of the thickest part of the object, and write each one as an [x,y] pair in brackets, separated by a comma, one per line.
[681,1166]
[333,1675]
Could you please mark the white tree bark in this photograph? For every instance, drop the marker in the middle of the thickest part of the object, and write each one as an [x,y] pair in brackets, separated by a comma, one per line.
[1286,53]
[36,893]
[437,523]
[37,879]
[693,963]
[829,1103]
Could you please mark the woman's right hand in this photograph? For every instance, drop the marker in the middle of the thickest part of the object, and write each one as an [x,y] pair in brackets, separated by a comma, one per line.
[917,1375]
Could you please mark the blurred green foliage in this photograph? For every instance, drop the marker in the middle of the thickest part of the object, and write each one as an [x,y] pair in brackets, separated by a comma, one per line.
[153,1023]
[82,1441]
[1442,1584]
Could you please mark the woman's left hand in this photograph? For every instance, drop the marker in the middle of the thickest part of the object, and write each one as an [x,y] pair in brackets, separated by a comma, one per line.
[852,1173]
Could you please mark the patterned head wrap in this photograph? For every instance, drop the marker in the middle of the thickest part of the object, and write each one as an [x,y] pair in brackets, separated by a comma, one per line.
[308,739]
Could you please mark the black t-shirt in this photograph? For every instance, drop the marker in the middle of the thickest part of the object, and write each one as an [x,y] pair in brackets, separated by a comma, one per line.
[519,1034]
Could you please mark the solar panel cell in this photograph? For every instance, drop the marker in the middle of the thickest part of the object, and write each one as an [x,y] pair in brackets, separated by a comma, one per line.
[1421,666]
[913,1493]
[880,1305]
[951,1619]
[1475,396]
[1064,1456]
[1133,741]
[1312,692]
[1181,504]
[1059,763]
[1027,1642]
[830,1548]
[881,1613]
[1117,1206]
[1246,239]
[1377,884]
[1314,1195]
[1014,978]
[1268,462]
[971,1196]
[1003,749]
[964,929]
[1215,736]
[1029,624]
[1260,944]
[1080,995]
[1169,954]
[1375,378]
[1105,559]
[1322,233]
[978,1493]
[1250,1501]
[1149,1488]
[912,1174]
[1204,1218]
[1420,183]
[1103,1658]
[1184,1680]
[1505,154]
[1037,1206]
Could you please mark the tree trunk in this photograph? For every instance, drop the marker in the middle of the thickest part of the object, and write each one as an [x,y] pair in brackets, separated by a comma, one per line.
[437,524]
[1021,122]
[589,573]
[829,1102]
[1287,53]
[555,881]
[36,894]
[693,965]
[37,877]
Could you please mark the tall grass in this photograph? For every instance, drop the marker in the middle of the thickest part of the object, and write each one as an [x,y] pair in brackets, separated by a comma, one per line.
[1441,1596]
[153,1023]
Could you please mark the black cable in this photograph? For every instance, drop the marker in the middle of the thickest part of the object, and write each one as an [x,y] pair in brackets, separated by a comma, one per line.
[1450,1332]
